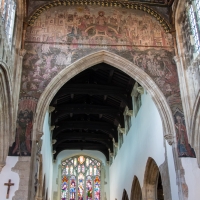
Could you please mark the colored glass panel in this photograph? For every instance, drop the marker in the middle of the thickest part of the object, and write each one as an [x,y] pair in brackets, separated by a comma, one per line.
[81,187]
[72,188]
[64,189]
[97,188]
[84,179]
[89,188]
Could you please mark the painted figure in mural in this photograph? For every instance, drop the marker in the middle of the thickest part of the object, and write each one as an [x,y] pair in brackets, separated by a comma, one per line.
[72,190]
[184,148]
[101,22]
[23,136]
[89,190]
[64,191]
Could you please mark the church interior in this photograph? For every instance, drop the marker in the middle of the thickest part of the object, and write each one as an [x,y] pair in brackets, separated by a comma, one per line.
[99,99]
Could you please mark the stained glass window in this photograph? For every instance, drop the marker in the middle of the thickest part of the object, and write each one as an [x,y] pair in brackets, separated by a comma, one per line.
[81,178]
[7,10]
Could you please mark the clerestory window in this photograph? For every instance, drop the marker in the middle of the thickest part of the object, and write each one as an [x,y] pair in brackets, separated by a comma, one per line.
[81,178]
[194,16]
[7,10]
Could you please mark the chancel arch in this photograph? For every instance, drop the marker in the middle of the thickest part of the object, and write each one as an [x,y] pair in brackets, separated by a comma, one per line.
[136,192]
[5,115]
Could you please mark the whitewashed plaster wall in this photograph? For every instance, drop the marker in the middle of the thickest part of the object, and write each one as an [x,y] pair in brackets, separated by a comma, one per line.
[144,139]
[192,177]
[46,152]
[68,153]
[7,174]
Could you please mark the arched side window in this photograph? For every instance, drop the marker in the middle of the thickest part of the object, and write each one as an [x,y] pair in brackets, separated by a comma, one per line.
[194,24]
[81,178]
[8,9]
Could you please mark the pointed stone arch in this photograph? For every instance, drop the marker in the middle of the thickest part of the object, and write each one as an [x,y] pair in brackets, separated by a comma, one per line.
[150,180]
[125,195]
[6,121]
[116,61]
[195,128]
[136,192]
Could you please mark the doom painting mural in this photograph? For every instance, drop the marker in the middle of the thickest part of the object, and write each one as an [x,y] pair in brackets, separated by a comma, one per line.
[64,34]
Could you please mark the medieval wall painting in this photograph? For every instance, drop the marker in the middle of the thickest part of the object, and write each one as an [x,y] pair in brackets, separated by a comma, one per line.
[62,35]
[22,144]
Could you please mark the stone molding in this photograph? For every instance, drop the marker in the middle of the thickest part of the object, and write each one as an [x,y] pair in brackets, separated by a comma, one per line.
[195,128]
[169,138]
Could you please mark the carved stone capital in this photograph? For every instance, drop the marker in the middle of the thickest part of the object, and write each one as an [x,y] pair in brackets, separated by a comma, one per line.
[51,109]
[54,141]
[128,112]
[134,91]
[54,152]
[121,130]
[22,52]
[38,136]
[169,138]
[52,128]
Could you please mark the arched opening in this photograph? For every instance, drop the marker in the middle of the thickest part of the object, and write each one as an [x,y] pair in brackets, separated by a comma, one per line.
[93,59]
[195,128]
[152,187]
[116,61]
[125,195]
[160,195]
[6,136]
[136,192]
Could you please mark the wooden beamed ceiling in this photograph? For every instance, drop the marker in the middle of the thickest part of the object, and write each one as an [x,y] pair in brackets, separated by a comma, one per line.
[89,108]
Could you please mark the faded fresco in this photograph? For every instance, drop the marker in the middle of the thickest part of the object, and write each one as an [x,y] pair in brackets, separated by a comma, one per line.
[62,35]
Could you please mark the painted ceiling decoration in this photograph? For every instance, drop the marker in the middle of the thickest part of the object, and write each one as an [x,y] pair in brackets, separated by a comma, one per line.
[126,4]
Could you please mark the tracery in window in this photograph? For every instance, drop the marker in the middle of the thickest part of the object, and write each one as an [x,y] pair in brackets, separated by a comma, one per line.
[7,9]
[81,177]
[194,29]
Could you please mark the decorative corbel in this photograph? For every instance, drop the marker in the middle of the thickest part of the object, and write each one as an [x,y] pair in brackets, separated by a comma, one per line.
[22,52]
[134,91]
[52,128]
[54,152]
[140,90]
[51,109]
[38,136]
[115,144]
[121,130]
[128,112]
[54,141]
[169,138]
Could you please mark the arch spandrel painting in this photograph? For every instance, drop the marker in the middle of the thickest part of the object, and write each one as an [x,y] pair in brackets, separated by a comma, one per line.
[63,34]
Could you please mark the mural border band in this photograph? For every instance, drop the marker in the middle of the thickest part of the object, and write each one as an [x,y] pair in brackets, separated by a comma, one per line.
[128,5]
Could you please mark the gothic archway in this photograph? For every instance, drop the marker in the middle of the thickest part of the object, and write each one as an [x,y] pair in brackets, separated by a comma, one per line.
[6,122]
[195,128]
[125,195]
[116,61]
[136,192]
[153,188]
